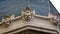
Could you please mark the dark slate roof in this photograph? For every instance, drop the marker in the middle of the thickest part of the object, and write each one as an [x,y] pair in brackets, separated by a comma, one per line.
[53,10]
[42,7]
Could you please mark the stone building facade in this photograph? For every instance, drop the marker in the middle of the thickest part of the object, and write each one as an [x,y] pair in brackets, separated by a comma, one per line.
[35,17]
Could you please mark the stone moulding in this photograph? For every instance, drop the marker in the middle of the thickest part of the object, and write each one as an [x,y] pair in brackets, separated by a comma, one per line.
[28,27]
[27,16]
[40,16]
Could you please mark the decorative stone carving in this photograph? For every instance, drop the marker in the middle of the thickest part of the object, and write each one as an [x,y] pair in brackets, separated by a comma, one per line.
[6,21]
[27,15]
[56,19]
[53,18]
[6,24]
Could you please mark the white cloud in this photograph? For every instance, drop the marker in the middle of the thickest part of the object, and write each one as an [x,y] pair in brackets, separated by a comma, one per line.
[56,3]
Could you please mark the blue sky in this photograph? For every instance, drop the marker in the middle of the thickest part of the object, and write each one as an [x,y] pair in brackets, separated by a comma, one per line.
[56,3]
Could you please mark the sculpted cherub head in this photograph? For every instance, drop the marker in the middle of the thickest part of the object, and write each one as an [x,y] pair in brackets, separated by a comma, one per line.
[27,14]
